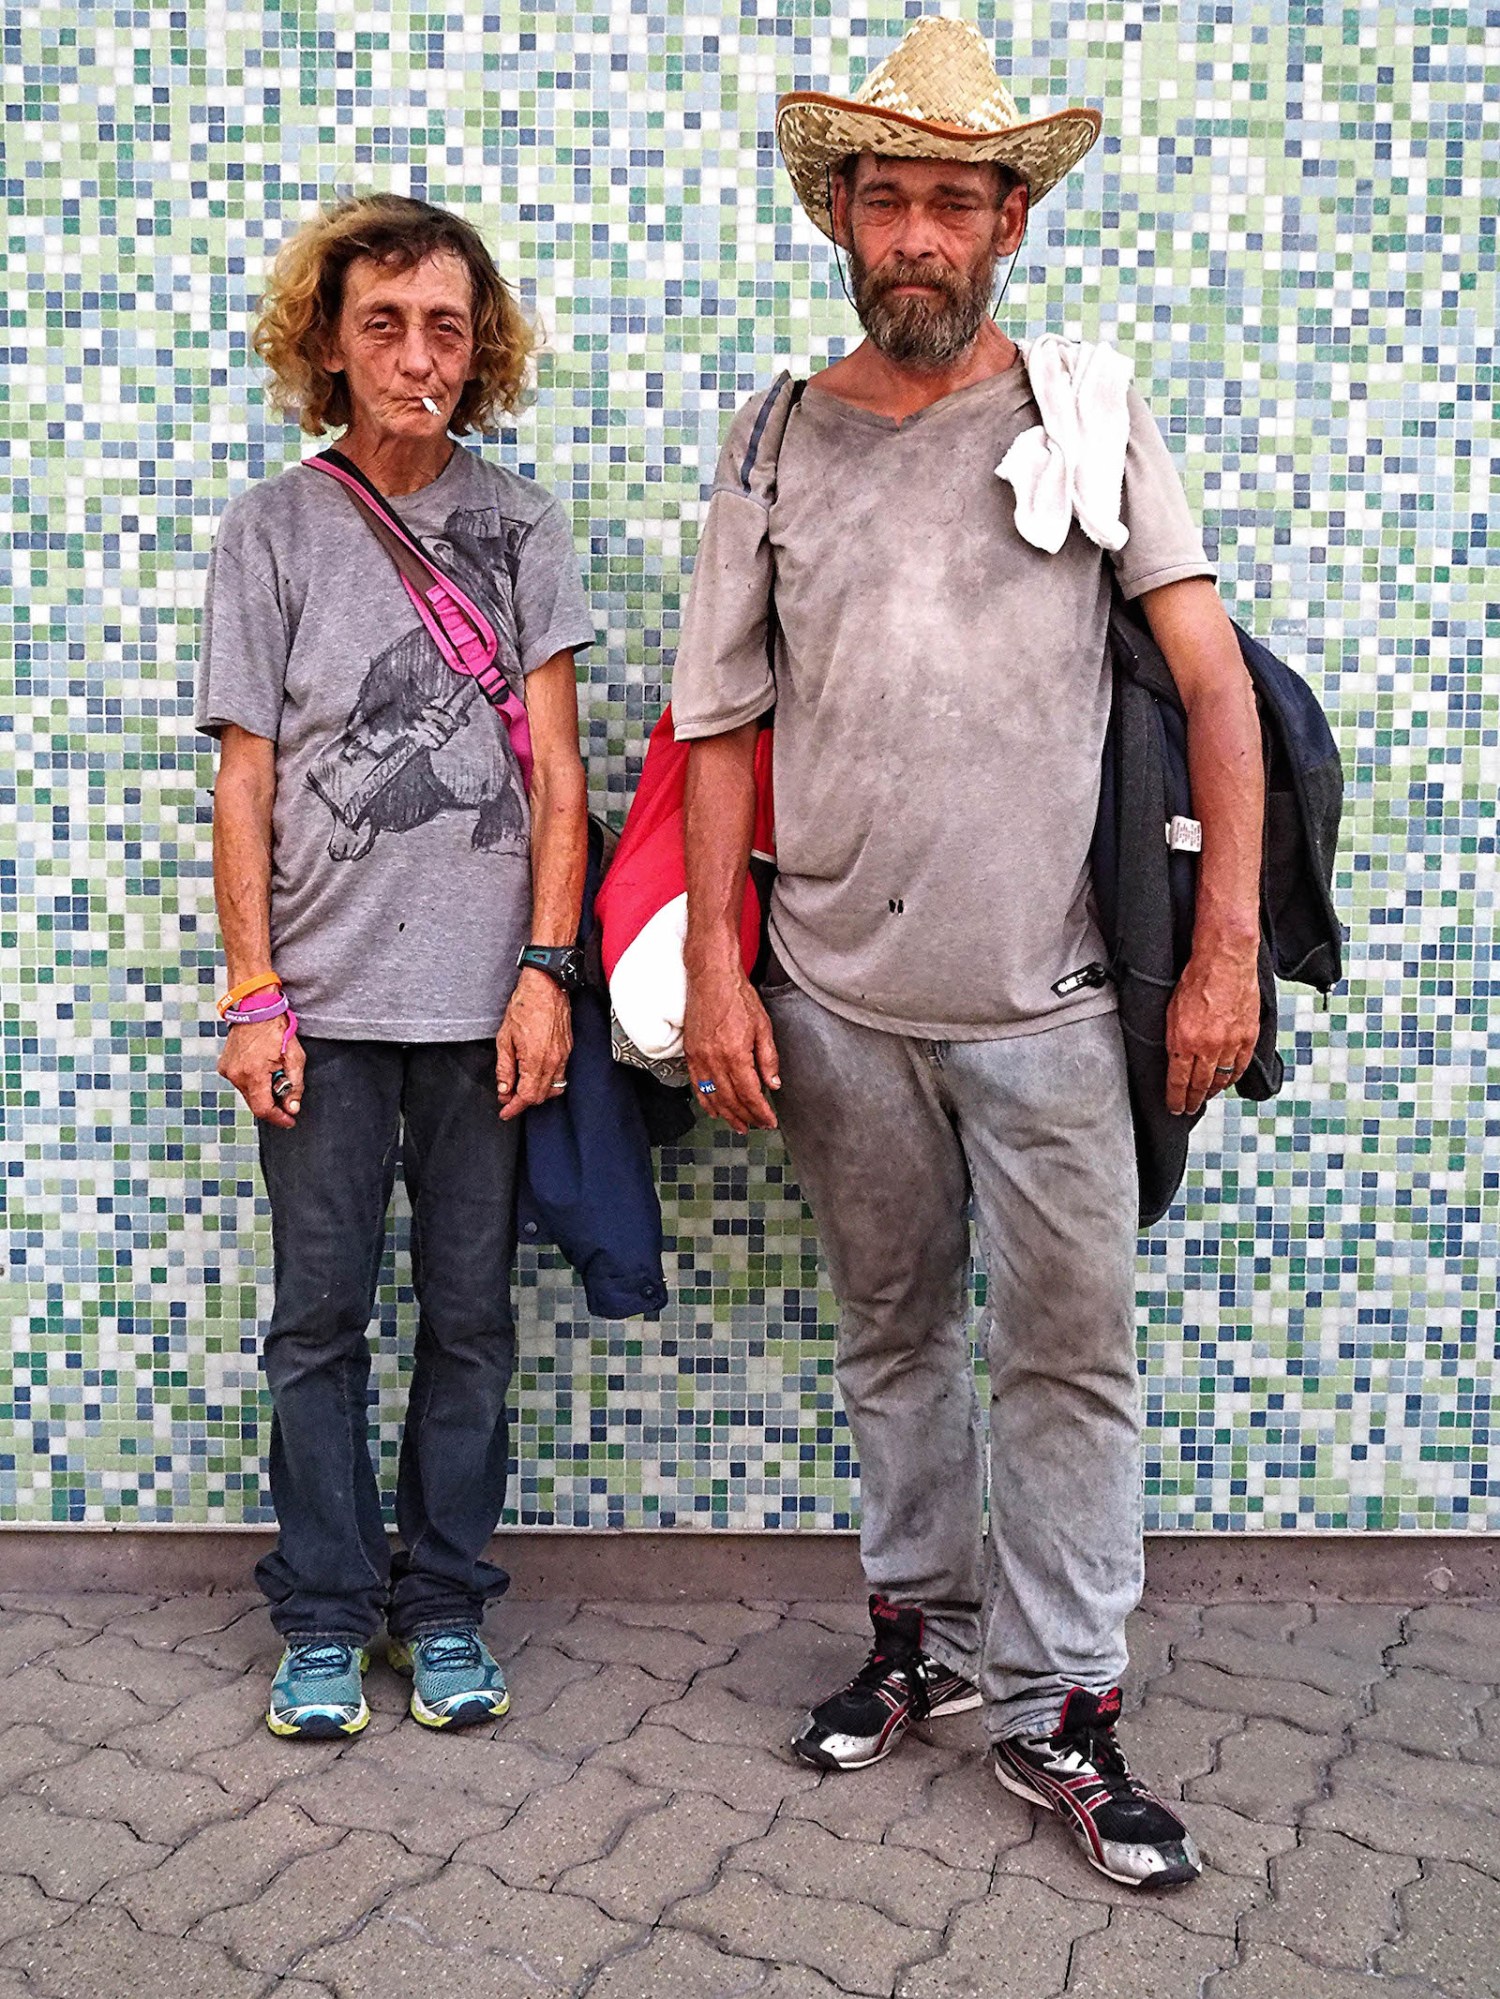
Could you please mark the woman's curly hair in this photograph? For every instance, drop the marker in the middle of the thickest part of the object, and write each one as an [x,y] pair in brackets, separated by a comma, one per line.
[306,294]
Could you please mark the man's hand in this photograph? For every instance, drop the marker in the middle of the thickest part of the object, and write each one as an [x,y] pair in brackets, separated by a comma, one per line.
[725,1032]
[729,1043]
[1214,1019]
[1213,1023]
[252,1055]
[534,1043]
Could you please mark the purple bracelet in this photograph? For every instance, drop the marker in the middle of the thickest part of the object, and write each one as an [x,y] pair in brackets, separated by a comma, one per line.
[240,1016]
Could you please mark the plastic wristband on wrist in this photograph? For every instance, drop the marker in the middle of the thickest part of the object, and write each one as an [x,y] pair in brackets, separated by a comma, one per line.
[262,982]
[278,1009]
[263,1001]
[251,1016]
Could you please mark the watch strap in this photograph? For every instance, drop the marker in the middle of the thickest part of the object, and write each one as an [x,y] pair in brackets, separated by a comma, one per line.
[562,962]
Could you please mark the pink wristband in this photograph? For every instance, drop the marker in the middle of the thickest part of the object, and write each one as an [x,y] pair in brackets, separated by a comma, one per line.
[273,1005]
[270,999]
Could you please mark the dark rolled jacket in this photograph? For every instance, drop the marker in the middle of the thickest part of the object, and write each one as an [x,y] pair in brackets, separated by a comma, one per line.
[1147,893]
[587,1179]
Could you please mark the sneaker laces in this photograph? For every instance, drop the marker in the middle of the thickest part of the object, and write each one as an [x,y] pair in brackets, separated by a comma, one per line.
[883,1665]
[1138,1814]
[325,1660]
[1096,1746]
[449,1651]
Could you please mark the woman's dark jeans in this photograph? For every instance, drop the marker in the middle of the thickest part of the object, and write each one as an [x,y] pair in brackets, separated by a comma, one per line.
[330,1180]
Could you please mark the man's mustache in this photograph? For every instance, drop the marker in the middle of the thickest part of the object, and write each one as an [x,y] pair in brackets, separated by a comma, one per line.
[890,277]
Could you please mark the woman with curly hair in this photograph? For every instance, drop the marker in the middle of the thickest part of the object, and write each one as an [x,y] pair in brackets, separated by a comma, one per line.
[399,823]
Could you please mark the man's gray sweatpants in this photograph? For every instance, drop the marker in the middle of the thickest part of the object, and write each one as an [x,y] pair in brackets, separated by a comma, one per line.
[889,1137]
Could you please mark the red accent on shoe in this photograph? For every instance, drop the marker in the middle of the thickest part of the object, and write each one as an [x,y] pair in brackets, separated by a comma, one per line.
[888,1614]
[1106,1708]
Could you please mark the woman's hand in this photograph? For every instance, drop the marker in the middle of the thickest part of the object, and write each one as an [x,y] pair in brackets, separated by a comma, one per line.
[252,1055]
[534,1043]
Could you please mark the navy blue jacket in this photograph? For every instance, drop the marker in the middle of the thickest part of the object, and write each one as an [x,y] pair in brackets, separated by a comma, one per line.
[586,1181]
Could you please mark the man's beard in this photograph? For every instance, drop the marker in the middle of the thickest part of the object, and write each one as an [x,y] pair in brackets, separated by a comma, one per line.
[922,332]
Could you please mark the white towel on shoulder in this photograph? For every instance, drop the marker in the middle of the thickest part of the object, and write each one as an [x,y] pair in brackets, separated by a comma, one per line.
[1071,466]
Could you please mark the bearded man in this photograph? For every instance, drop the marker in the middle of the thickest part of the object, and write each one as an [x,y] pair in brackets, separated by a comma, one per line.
[936,1026]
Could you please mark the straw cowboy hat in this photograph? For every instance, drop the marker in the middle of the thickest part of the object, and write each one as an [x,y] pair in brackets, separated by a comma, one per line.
[936,97]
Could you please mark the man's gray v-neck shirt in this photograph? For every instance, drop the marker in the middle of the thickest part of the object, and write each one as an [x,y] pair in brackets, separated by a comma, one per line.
[941,692]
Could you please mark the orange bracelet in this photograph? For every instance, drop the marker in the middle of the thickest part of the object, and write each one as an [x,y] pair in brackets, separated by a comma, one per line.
[256,985]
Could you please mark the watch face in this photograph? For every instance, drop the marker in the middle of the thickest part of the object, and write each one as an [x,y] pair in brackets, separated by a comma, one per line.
[563,962]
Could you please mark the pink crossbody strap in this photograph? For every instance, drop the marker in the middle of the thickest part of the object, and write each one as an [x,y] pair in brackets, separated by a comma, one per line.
[462,633]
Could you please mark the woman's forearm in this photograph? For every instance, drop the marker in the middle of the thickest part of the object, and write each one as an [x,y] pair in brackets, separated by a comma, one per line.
[559,803]
[559,853]
[244,795]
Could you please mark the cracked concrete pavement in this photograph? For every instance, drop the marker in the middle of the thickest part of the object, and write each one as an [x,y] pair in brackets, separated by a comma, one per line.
[637,1829]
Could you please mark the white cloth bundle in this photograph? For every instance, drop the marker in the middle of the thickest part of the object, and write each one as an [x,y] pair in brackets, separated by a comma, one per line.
[1071,466]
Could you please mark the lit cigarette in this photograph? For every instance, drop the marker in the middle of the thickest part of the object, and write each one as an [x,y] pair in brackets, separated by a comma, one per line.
[430,406]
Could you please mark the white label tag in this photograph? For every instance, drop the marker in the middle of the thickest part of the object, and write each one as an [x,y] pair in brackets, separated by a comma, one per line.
[1184,836]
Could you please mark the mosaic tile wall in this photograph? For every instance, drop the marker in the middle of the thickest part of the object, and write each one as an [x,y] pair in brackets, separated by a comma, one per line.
[1290,229]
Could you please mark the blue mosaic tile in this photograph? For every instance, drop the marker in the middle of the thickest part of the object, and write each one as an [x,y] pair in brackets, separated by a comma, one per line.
[1290,228]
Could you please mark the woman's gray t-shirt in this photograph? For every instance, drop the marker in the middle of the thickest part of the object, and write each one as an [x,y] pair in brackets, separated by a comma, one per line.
[401,876]
[941,691]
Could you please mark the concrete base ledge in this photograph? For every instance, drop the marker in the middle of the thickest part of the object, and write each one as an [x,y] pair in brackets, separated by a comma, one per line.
[688,1565]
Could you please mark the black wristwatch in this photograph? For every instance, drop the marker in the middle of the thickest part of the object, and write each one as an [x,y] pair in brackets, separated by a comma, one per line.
[562,962]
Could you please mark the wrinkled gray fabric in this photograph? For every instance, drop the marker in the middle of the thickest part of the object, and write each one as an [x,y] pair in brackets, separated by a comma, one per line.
[401,883]
[941,693]
[890,1135]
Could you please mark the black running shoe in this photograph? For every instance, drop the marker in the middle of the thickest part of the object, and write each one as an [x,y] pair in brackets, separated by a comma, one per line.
[897,1685]
[1081,1774]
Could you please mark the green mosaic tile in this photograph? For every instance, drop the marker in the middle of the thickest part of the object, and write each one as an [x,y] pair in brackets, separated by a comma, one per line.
[1290,229]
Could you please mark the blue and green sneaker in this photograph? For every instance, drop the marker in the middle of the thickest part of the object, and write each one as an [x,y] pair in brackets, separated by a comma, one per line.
[316,1693]
[456,1681]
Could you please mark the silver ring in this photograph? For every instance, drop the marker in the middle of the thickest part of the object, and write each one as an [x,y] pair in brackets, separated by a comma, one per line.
[1223,1068]
[707,1089]
[559,1086]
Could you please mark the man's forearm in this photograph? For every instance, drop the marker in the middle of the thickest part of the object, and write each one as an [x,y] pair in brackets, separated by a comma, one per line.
[1229,797]
[1214,1015]
[1224,760]
[719,826]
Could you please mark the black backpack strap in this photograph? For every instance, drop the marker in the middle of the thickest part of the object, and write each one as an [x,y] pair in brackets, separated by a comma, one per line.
[773,622]
[764,428]
[395,537]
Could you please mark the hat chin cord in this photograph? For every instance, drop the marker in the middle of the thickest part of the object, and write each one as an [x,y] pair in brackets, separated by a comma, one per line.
[838,255]
[1015,258]
[838,248]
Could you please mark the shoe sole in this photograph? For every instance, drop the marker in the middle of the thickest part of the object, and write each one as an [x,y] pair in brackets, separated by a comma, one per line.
[317,1727]
[960,1704]
[1083,1839]
[820,1759]
[480,1708]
